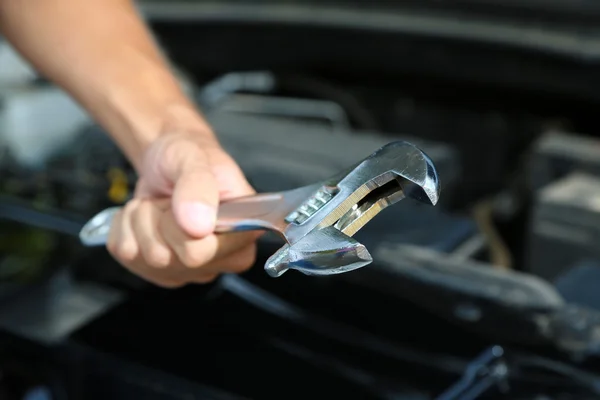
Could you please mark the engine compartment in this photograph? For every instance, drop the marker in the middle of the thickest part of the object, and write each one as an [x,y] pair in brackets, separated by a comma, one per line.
[497,279]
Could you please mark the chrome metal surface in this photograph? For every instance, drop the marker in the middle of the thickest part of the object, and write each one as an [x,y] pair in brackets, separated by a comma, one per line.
[319,220]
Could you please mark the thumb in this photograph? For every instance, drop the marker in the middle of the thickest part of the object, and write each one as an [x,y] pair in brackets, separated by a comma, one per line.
[195,196]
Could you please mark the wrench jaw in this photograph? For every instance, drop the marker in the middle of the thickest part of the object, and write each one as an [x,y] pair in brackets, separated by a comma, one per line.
[367,207]
[327,247]
[421,184]
[332,249]
[326,251]
[416,172]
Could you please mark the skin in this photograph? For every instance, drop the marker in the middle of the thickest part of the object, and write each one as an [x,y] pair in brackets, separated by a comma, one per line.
[103,55]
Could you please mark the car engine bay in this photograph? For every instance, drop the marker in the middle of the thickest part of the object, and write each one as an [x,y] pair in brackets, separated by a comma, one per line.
[493,293]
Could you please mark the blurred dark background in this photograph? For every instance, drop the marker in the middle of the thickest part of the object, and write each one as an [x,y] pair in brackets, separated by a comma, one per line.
[491,294]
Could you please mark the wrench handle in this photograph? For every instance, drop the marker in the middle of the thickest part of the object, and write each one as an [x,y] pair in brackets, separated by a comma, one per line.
[95,231]
[255,212]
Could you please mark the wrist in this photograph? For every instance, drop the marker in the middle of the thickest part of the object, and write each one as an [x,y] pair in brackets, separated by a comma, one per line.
[138,99]
[185,118]
[143,119]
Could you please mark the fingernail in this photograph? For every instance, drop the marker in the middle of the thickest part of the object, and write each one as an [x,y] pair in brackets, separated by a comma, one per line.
[198,218]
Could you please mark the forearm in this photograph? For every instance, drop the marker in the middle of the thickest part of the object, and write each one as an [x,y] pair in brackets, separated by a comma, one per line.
[102,54]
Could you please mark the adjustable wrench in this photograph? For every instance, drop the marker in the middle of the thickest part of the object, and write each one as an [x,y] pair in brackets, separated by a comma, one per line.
[318,221]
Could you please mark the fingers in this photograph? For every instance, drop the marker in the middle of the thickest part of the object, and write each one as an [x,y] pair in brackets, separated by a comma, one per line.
[152,246]
[195,196]
[235,263]
[166,234]
[121,242]
[146,238]
[194,253]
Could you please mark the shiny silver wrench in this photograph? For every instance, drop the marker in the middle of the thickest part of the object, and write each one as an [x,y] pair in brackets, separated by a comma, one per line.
[318,221]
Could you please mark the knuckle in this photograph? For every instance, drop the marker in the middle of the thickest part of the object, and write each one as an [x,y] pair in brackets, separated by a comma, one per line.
[136,211]
[112,247]
[131,205]
[177,151]
[126,251]
[193,256]
[158,257]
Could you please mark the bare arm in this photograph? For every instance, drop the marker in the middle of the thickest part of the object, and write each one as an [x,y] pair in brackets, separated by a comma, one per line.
[101,52]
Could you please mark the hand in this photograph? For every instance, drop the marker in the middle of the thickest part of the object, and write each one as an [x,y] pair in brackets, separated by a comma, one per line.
[165,233]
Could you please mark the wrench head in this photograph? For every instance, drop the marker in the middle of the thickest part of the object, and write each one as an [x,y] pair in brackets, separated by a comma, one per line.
[326,251]
[418,177]
[397,166]
[322,243]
